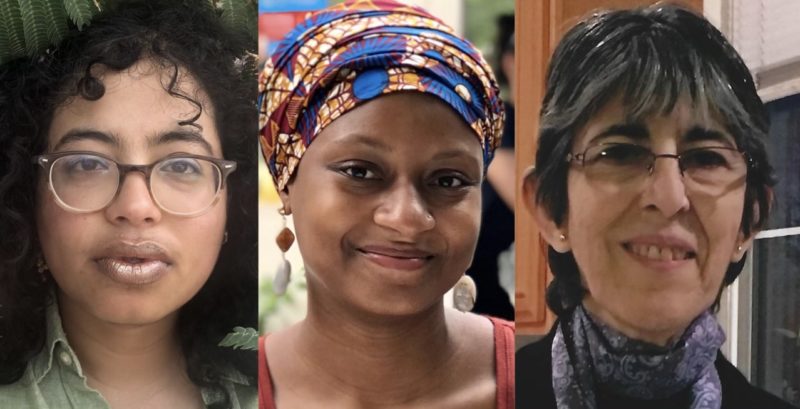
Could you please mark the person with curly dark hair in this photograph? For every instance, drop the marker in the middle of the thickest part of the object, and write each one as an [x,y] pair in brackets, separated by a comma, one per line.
[651,181]
[128,210]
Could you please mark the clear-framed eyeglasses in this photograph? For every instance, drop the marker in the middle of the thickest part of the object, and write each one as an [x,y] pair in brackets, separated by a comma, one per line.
[181,184]
[712,168]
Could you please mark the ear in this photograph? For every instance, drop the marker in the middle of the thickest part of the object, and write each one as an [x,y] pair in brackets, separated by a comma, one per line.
[743,244]
[552,233]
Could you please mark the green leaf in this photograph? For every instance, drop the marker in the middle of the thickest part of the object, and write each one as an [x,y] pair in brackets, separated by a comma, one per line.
[241,338]
[81,11]
[34,23]
[239,14]
[56,16]
[12,30]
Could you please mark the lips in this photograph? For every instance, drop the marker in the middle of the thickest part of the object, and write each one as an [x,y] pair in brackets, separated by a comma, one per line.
[396,258]
[135,264]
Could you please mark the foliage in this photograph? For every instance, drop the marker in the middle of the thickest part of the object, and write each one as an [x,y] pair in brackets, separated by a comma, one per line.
[241,338]
[480,21]
[280,310]
[28,27]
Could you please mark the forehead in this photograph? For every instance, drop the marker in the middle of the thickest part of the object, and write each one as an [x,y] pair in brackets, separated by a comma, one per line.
[679,119]
[410,120]
[138,105]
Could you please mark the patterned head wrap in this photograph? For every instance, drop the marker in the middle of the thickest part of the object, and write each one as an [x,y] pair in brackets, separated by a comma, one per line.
[353,52]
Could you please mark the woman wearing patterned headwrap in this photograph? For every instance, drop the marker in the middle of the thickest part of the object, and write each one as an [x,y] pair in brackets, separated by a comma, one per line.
[377,124]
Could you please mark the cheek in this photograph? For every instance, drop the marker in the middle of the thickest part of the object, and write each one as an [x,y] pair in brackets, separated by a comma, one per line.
[721,223]
[459,226]
[202,237]
[321,219]
[61,234]
[593,214]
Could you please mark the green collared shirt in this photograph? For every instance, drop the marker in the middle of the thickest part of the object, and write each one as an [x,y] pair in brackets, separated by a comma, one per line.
[54,380]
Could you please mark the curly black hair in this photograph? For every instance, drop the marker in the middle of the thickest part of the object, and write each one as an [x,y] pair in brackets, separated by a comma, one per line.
[180,36]
[650,57]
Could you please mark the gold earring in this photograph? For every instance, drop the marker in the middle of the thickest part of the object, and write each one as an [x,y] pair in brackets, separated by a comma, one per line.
[464,294]
[562,237]
[283,274]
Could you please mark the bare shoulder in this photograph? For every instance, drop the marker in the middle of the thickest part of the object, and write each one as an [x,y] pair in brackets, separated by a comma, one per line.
[476,328]
[474,367]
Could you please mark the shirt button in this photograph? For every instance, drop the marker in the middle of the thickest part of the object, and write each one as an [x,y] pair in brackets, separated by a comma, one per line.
[65,358]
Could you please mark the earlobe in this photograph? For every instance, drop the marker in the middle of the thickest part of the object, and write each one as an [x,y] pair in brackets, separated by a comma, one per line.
[742,245]
[552,234]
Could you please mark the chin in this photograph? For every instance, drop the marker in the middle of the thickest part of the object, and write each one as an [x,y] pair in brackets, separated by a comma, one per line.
[664,315]
[135,310]
[397,305]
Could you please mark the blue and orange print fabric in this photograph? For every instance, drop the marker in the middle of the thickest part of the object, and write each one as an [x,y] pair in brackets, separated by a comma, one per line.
[351,53]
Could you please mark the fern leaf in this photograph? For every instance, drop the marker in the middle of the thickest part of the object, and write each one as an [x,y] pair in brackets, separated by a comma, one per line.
[241,338]
[13,30]
[235,14]
[80,11]
[34,25]
[56,17]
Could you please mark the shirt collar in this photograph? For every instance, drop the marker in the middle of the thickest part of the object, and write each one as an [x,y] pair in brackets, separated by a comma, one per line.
[55,340]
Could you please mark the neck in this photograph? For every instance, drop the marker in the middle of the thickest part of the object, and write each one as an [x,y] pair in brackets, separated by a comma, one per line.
[661,336]
[120,356]
[377,361]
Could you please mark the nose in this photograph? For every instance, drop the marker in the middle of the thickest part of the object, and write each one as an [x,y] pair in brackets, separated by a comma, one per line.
[665,189]
[405,211]
[133,203]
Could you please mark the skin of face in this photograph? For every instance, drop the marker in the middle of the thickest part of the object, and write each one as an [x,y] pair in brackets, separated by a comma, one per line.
[386,204]
[644,300]
[131,123]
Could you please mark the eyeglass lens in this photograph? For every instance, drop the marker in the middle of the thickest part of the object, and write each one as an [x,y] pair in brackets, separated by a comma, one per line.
[708,166]
[179,185]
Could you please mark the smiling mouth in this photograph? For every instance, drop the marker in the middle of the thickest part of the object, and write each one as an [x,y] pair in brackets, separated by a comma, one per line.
[658,253]
[396,259]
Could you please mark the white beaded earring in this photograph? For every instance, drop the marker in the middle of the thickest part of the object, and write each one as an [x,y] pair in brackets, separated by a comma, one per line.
[464,294]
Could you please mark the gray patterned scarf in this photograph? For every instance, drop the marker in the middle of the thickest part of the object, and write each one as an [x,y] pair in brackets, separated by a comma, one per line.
[593,352]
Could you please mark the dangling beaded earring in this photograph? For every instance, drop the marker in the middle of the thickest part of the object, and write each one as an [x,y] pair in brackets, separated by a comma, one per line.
[283,274]
[464,294]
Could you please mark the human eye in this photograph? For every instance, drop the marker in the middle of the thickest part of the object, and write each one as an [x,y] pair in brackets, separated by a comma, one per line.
[85,163]
[181,166]
[706,158]
[357,171]
[618,154]
[452,181]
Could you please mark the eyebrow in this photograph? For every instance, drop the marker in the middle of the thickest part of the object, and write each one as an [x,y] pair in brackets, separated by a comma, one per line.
[700,134]
[457,154]
[639,132]
[81,134]
[635,131]
[364,140]
[191,136]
